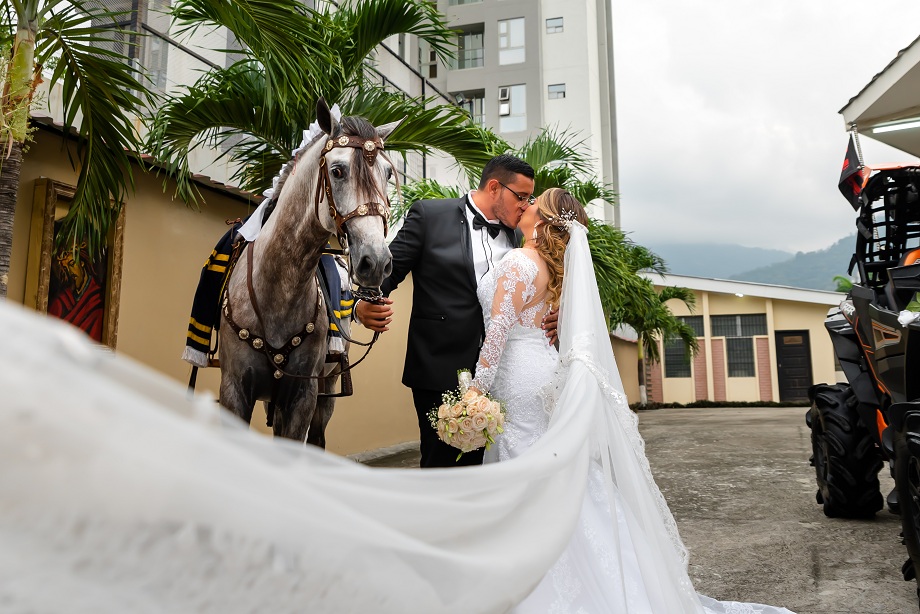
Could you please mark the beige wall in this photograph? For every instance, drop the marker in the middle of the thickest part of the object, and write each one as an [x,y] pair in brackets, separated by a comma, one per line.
[627,358]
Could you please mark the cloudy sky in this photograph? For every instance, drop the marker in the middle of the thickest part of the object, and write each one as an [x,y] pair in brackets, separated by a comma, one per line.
[727,112]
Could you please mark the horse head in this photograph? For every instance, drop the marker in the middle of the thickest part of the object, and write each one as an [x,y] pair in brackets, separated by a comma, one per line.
[353,178]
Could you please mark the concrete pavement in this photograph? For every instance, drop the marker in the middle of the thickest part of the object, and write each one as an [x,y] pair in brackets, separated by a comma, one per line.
[740,487]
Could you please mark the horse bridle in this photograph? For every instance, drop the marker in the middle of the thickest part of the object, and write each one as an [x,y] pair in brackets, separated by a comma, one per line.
[369,149]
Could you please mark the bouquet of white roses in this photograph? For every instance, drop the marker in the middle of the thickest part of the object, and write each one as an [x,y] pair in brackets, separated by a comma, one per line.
[467,419]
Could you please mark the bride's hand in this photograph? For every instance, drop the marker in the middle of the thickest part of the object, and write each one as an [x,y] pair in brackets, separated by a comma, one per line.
[550,324]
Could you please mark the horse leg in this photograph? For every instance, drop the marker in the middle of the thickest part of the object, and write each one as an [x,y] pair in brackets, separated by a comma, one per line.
[324,406]
[237,393]
[294,410]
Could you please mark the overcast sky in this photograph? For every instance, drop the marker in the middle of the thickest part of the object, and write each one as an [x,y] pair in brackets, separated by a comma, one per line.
[727,112]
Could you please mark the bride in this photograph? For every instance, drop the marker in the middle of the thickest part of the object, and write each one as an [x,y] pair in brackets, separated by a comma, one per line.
[625,554]
[120,494]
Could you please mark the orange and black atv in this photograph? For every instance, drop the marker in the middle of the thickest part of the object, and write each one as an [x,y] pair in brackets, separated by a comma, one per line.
[875,416]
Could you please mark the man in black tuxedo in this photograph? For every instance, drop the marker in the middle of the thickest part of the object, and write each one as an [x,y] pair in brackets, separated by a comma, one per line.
[448,245]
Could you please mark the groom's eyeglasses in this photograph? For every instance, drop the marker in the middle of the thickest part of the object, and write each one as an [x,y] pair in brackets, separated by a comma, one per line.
[523,199]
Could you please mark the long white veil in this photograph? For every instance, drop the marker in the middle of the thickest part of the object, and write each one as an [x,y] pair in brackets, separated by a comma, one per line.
[118,494]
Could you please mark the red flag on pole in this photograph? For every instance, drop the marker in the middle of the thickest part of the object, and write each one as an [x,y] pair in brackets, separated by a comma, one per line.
[852,176]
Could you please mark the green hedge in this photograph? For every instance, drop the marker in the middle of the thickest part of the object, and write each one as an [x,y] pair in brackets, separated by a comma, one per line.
[637,406]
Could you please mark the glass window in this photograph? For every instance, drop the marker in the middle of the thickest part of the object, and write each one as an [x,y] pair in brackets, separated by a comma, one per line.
[511,41]
[694,322]
[739,346]
[512,108]
[740,351]
[473,102]
[676,361]
[458,2]
[556,91]
[554,25]
[469,47]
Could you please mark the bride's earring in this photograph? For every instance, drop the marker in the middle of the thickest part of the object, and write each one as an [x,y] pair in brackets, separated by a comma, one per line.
[534,233]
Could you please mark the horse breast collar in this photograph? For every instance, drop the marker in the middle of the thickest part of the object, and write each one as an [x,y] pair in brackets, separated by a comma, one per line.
[369,148]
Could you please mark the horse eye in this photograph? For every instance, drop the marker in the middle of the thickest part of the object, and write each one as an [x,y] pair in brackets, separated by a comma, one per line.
[337,173]
[389,172]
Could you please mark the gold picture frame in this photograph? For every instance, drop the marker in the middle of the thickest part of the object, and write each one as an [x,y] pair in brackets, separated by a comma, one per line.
[50,202]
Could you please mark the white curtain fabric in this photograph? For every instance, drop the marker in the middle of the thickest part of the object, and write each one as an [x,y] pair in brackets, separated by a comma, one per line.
[119,494]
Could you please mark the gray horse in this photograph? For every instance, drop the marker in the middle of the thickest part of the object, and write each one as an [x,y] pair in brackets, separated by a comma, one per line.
[273,317]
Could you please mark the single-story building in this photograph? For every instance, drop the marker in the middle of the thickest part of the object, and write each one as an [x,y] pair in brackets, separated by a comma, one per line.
[758,342]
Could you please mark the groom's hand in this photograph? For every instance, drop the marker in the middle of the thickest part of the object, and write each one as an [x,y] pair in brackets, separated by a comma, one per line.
[550,324]
[375,316]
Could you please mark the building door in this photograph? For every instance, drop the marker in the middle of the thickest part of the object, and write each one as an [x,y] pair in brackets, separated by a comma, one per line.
[793,364]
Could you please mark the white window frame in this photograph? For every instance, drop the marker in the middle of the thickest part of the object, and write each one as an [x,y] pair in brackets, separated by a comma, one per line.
[512,41]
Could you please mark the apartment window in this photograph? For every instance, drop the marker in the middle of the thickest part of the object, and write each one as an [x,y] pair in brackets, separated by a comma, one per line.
[511,41]
[469,47]
[556,91]
[554,25]
[512,108]
[739,347]
[676,361]
[459,2]
[474,103]
[427,60]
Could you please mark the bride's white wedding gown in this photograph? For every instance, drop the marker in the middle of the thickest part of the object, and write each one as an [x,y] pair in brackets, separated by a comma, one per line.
[120,494]
[610,565]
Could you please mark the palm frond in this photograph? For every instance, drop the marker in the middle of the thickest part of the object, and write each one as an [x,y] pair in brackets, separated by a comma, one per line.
[556,148]
[424,189]
[105,89]
[281,34]
[427,126]
[364,24]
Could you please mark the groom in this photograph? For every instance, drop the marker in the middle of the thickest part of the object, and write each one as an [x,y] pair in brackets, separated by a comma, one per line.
[448,245]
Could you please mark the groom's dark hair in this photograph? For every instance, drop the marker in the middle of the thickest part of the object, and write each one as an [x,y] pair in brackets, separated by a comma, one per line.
[503,168]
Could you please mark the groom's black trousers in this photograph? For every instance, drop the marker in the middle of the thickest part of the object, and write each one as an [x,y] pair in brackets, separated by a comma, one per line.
[436,453]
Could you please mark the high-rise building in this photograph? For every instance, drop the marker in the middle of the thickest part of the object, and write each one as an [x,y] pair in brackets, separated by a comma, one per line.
[523,65]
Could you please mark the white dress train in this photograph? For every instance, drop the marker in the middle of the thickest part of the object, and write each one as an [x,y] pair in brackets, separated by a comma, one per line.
[120,494]
[625,555]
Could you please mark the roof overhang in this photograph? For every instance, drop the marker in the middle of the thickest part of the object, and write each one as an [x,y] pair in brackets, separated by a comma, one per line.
[888,107]
[746,288]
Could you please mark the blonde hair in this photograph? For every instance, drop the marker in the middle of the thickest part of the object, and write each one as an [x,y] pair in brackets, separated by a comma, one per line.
[554,208]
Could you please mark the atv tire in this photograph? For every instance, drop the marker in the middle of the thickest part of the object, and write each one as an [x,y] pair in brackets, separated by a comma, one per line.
[907,478]
[846,459]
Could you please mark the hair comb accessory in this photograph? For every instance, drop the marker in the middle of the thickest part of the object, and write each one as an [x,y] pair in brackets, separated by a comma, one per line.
[564,219]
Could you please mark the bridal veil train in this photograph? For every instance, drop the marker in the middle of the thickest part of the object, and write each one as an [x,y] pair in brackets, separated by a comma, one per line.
[118,494]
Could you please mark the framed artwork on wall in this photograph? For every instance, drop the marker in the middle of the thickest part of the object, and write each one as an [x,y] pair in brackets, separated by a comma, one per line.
[69,285]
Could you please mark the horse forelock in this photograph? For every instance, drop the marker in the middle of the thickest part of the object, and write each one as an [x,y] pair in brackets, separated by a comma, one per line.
[362,174]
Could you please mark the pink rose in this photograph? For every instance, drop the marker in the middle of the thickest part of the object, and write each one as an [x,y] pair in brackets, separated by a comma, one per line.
[469,395]
[452,425]
[466,424]
[457,409]
[442,411]
[480,421]
[479,406]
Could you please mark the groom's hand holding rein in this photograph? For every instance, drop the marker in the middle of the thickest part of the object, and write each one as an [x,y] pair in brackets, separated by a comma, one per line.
[375,316]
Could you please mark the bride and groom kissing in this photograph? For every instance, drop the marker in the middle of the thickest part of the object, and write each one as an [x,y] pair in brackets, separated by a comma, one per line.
[488,273]
[449,246]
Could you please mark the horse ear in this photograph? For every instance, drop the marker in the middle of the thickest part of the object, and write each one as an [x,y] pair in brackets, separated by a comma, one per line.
[323,116]
[387,129]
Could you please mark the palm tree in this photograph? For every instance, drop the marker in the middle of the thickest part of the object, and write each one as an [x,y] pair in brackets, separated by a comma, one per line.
[627,297]
[99,86]
[292,56]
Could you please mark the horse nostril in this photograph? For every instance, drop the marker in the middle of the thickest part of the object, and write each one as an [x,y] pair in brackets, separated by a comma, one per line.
[364,265]
[388,268]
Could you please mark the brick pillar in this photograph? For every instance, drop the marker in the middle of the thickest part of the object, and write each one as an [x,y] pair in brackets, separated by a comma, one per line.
[700,389]
[718,369]
[654,384]
[764,372]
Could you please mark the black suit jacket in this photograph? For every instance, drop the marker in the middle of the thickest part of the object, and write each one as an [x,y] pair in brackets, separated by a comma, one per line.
[446,327]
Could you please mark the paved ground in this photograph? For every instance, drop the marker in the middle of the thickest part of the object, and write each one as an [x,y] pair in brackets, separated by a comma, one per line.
[739,484]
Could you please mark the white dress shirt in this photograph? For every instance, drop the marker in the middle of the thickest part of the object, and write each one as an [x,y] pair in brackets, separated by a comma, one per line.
[487,251]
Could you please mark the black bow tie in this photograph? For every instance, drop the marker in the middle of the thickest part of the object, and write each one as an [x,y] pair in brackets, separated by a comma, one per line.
[480,222]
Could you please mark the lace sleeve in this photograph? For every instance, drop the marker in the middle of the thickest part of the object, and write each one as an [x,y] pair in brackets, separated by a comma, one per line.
[513,288]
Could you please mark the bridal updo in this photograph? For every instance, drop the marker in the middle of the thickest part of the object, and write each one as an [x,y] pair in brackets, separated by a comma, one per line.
[555,207]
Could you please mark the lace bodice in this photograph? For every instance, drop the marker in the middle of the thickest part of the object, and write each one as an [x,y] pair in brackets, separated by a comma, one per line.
[511,308]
